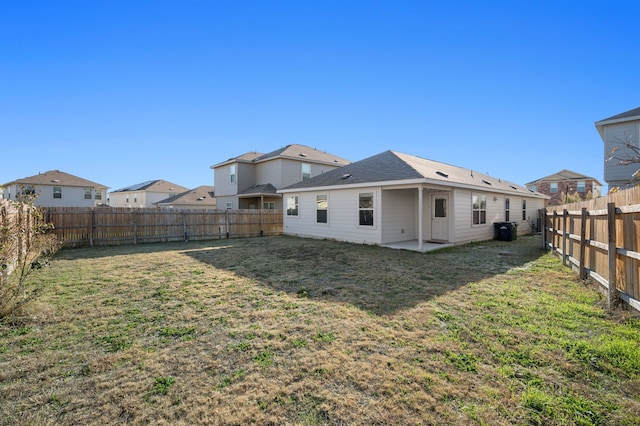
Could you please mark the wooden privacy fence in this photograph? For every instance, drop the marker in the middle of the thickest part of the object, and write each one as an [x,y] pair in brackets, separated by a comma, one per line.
[600,239]
[112,226]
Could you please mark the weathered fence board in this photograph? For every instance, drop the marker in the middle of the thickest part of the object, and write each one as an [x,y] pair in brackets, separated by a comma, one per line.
[111,226]
[600,239]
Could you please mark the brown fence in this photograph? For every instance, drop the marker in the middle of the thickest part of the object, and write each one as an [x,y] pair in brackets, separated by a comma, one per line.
[112,226]
[600,239]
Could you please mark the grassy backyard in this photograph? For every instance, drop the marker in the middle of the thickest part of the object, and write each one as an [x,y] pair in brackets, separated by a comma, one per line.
[281,330]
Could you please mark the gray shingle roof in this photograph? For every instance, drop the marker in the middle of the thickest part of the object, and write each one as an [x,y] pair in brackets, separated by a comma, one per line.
[391,166]
[293,151]
[266,188]
[157,185]
[627,114]
[56,177]
[563,175]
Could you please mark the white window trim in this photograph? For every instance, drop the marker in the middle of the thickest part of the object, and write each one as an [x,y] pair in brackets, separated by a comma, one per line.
[480,210]
[327,210]
[286,207]
[373,210]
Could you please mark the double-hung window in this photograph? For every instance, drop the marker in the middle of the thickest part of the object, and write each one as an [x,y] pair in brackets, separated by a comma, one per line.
[322,209]
[581,186]
[88,193]
[306,171]
[506,209]
[365,208]
[232,173]
[98,195]
[553,187]
[524,210]
[292,205]
[57,192]
[479,208]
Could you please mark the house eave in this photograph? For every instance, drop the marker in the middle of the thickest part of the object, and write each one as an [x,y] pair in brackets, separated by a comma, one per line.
[415,182]
[600,124]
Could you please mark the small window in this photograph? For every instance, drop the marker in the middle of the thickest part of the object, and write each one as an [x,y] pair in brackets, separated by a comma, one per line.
[507,209]
[57,192]
[322,206]
[306,171]
[365,207]
[87,193]
[269,205]
[232,173]
[292,205]
[440,207]
[553,187]
[479,208]
[533,188]
[98,194]
[581,186]
[229,205]
[524,210]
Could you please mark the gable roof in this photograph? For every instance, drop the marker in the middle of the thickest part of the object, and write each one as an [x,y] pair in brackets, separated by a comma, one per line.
[292,152]
[631,115]
[394,167]
[563,175]
[157,185]
[201,195]
[56,177]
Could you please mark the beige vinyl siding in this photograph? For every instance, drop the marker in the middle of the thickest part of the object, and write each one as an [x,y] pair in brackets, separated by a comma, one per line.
[269,172]
[245,176]
[343,222]
[614,135]
[222,181]
[399,223]
[71,196]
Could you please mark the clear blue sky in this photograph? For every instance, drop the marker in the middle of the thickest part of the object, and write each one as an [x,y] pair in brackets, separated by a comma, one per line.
[121,92]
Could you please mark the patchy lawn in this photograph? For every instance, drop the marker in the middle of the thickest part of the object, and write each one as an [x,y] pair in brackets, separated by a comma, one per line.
[282,330]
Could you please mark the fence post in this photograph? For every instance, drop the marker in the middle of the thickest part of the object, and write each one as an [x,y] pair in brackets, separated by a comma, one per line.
[553,231]
[543,215]
[184,226]
[135,227]
[565,216]
[226,222]
[91,225]
[612,293]
[583,243]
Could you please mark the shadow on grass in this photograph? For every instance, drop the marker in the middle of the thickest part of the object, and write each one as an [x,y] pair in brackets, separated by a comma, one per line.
[379,280]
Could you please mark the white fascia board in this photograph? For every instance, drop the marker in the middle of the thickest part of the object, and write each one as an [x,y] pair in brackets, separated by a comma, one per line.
[413,182]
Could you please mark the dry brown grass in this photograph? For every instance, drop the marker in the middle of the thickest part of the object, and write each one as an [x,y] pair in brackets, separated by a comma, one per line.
[282,330]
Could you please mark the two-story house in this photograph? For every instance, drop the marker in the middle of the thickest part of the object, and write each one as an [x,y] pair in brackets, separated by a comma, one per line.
[145,194]
[621,136]
[250,181]
[563,183]
[55,188]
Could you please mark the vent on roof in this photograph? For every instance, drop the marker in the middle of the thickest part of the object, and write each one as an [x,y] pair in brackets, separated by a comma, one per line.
[201,198]
[532,191]
[513,187]
[443,174]
[302,154]
[486,182]
[346,176]
[55,180]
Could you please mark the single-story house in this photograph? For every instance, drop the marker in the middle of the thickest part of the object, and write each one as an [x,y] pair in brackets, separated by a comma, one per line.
[393,197]
[202,197]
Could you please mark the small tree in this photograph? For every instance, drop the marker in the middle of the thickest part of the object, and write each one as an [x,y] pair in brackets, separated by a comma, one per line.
[25,245]
[626,153]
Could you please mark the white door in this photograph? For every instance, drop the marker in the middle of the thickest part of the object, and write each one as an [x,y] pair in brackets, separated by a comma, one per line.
[440,217]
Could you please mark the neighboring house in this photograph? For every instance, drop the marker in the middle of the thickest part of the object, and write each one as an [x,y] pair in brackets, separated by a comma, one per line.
[201,197]
[558,185]
[57,189]
[393,197]
[144,194]
[616,132]
[251,180]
